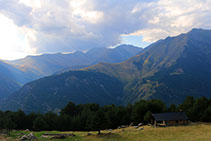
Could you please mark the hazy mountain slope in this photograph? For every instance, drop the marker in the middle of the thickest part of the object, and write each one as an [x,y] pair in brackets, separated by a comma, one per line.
[115,55]
[169,70]
[48,64]
[12,78]
[51,93]
[8,83]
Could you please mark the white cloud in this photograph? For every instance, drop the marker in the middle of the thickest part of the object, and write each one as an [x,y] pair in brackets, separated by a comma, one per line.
[14,41]
[84,10]
[31,3]
[170,18]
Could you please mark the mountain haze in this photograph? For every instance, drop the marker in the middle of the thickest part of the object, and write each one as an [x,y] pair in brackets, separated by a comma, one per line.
[48,64]
[7,81]
[169,69]
[11,78]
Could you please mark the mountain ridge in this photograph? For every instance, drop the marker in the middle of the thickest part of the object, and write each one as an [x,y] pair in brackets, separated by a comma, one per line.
[48,64]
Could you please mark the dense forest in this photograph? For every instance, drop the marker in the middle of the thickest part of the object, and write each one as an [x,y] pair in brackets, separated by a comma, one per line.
[85,117]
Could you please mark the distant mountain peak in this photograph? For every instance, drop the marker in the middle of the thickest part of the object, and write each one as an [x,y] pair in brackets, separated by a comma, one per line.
[126,45]
[198,29]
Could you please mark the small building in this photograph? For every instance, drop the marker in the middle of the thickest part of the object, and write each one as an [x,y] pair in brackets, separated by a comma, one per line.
[169,119]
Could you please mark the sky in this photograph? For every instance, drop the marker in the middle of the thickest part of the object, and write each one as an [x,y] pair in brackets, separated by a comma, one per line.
[30,27]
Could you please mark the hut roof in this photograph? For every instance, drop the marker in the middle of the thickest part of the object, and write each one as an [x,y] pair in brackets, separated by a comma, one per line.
[170,116]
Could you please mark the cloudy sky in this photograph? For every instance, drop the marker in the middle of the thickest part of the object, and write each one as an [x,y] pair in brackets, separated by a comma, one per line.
[50,26]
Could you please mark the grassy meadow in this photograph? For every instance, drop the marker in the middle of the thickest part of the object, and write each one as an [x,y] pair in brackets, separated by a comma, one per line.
[193,132]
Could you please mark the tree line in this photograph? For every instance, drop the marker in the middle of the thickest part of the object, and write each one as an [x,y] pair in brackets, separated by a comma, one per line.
[86,117]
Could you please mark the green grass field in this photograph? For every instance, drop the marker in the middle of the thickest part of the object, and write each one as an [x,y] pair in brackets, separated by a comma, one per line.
[193,132]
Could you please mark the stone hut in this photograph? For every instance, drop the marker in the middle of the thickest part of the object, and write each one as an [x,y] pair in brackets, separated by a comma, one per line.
[169,119]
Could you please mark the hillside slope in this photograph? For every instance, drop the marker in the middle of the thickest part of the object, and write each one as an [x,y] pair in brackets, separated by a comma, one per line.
[169,69]
[54,92]
[7,81]
[12,78]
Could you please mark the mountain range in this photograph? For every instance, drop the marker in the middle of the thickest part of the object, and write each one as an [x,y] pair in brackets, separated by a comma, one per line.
[14,74]
[169,70]
[48,64]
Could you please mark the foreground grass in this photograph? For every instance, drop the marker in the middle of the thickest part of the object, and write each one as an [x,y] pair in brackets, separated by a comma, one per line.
[193,132]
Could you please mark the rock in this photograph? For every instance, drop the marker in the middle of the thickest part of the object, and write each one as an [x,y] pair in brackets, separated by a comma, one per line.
[54,136]
[123,126]
[27,130]
[59,137]
[141,129]
[43,136]
[28,137]
[24,137]
[31,136]
[140,124]
[131,124]
[136,127]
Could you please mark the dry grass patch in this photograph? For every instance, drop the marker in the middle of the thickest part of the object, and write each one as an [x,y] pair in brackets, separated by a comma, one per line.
[193,132]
